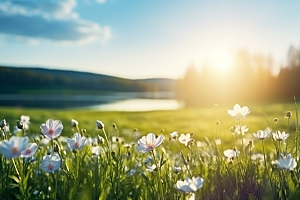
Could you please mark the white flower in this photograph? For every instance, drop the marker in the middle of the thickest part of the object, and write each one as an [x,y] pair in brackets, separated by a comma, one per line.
[201,144]
[185,139]
[257,156]
[149,142]
[218,141]
[99,124]
[177,169]
[96,150]
[74,123]
[44,141]
[50,163]
[14,146]
[278,136]
[29,151]
[174,135]
[2,123]
[77,142]
[238,112]
[288,162]
[52,129]
[229,153]
[189,185]
[151,168]
[262,134]
[25,120]
[241,130]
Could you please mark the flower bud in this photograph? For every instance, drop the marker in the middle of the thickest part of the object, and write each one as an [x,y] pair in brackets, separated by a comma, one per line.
[3,123]
[74,123]
[216,105]
[218,123]
[162,130]
[20,125]
[288,115]
[99,124]
[100,140]
[135,130]
[114,125]
[113,154]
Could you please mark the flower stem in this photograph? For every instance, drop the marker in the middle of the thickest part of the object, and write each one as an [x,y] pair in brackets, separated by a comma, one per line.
[159,177]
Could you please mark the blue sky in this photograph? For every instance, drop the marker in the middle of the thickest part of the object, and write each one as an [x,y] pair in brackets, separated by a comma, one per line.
[142,39]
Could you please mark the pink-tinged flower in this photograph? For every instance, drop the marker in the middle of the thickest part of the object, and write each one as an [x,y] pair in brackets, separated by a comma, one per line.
[14,146]
[263,134]
[29,151]
[278,136]
[25,121]
[77,142]
[189,185]
[288,162]
[52,129]
[50,163]
[238,112]
[185,139]
[149,142]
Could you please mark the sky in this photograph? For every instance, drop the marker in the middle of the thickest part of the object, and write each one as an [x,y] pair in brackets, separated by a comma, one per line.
[143,39]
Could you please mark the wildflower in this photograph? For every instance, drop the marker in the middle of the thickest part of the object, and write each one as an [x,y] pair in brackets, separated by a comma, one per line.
[262,134]
[241,130]
[14,146]
[229,153]
[275,120]
[257,156]
[189,185]
[288,163]
[52,129]
[278,136]
[29,151]
[185,139]
[2,123]
[44,141]
[149,142]
[218,141]
[25,121]
[288,115]
[238,112]
[249,147]
[74,123]
[96,150]
[151,168]
[99,124]
[201,144]
[177,169]
[20,125]
[101,139]
[50,163]
[174,135]
[77,142]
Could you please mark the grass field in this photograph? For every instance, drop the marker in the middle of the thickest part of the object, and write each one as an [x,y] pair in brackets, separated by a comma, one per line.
[120,172]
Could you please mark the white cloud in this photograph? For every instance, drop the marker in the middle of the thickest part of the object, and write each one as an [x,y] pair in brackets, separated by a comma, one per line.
[51,20]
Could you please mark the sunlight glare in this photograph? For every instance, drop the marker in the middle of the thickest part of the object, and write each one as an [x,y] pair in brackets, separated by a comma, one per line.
[221,60]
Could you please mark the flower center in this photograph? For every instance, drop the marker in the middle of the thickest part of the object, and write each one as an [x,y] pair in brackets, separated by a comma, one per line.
[149,145]
[50,132]
[27,151]
[50,167]
[14,150]
[76,144]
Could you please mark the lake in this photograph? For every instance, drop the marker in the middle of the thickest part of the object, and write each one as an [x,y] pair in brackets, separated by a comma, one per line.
[143,101]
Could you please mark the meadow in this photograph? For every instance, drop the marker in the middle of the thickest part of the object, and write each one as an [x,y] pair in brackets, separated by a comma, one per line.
[112,164]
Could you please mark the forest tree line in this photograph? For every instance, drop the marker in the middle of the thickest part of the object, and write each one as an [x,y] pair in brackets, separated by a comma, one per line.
[250,79]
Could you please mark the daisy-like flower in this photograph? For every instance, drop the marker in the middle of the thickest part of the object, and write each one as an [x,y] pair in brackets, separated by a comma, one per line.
[25,121]
[29,151]
[278,136]
[77,142]
[14,146]
[189,185]
[288,163]
[241,130]
[151,168]
[74,123]
[52,129]
[174,135]
[185,139]
[238,112]
[149,142]
[231,153]
[263,134]
[50,163]
[96,150]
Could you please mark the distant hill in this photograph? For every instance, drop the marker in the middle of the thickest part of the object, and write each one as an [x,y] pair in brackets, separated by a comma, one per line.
[35,80]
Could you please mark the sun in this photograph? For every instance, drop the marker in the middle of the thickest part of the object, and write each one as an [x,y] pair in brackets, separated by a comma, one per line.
[221,60]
